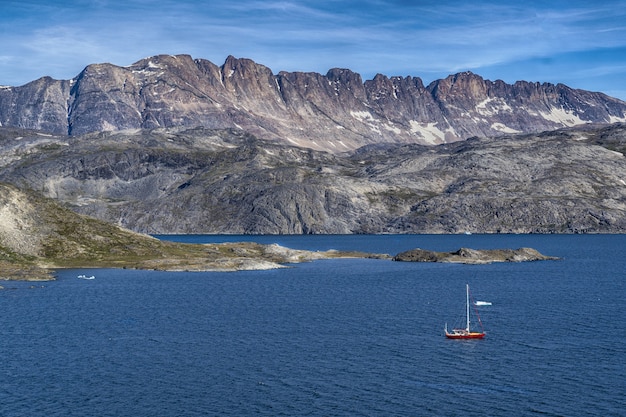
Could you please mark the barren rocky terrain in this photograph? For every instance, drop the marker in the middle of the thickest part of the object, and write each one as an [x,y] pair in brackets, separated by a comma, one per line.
[227,181]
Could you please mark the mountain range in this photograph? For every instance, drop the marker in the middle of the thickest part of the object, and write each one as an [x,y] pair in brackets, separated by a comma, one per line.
[335,112]
[173,144]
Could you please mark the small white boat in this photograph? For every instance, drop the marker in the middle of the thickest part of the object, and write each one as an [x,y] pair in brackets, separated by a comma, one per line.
[86,277]
[482,303]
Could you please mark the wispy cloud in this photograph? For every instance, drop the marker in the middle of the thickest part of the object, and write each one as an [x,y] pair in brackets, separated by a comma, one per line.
[394,37]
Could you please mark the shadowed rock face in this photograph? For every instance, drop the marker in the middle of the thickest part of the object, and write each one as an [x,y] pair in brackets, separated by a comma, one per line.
[227,181]
[334,112]
[473,256]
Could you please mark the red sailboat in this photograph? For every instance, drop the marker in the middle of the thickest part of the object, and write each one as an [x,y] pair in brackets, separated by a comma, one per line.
[466,333]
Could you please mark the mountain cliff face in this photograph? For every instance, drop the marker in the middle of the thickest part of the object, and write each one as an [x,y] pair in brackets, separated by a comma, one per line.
[333,112]
[227,181]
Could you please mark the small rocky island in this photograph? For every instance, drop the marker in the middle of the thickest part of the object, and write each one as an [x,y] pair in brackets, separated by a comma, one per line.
[473,256]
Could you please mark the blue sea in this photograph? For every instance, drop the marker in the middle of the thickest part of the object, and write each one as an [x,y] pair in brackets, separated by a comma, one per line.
[346,337]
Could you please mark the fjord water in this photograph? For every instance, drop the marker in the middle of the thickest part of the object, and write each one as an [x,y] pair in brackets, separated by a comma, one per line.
[352,337]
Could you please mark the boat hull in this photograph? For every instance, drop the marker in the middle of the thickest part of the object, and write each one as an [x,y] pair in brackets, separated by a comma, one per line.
[470,335]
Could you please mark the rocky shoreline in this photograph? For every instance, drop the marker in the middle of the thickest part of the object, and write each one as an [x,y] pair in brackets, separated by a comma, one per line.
[223,257]
[39,236]
[253,256]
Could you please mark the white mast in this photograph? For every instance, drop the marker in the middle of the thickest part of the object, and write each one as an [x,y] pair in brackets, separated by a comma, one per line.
[467,306]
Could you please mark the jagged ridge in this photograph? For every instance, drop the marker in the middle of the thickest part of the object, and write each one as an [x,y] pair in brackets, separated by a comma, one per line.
[334,112]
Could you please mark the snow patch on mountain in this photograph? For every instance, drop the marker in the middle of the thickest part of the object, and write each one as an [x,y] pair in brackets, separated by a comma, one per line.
[562,116]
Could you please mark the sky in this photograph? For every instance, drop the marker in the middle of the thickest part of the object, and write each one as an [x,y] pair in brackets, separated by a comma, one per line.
[578,43]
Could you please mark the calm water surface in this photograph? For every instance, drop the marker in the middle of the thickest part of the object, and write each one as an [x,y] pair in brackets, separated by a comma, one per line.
[327,338]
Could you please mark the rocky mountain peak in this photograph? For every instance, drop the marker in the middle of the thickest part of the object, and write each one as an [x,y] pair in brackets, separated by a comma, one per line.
[244,68]
[344,76]
[464,85]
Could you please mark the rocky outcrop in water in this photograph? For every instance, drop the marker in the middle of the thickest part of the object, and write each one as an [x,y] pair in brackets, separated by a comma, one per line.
[473,256]
[335,112]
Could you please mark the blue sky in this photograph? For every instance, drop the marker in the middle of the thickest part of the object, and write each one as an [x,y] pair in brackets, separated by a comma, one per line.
[579,43]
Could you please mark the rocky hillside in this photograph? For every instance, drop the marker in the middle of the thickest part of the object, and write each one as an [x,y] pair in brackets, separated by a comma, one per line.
[228,181]
[334,112]
[36,235]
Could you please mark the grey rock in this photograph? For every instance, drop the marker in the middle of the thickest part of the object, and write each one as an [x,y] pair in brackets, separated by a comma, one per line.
[228,181]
